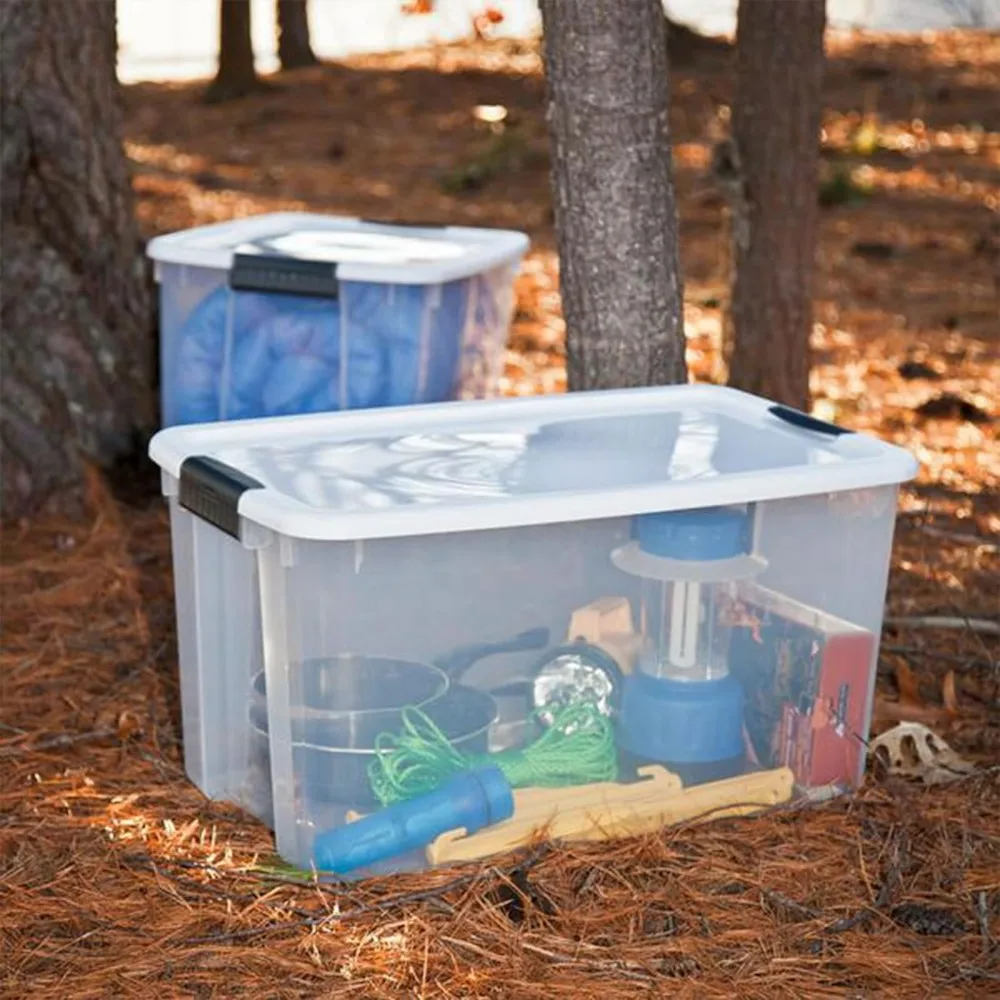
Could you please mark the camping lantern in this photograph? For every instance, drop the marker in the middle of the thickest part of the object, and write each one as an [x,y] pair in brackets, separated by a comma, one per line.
[681,706]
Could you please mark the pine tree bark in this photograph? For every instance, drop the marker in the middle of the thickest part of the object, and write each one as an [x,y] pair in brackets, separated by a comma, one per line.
[294,48]
[776,124]
[613,188]
[76,350]
[236,75]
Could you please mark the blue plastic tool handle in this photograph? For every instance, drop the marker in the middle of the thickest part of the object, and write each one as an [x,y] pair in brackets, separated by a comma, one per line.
[470,800]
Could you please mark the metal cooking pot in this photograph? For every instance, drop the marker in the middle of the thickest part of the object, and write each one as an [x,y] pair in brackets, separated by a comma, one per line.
[331,756]
[335,729]
[351,685]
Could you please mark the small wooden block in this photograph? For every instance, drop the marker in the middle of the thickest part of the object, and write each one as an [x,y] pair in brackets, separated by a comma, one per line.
[605,616]
[607,623]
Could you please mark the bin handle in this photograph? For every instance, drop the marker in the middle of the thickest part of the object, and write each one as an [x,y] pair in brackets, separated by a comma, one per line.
[799,419]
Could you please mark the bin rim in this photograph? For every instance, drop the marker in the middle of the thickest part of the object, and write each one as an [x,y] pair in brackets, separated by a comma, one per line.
[396,253]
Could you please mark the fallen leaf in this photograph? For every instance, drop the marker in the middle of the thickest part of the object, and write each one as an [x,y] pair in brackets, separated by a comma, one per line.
[128,726]
[896,711]
[906,681]
[949,694]
[911,750]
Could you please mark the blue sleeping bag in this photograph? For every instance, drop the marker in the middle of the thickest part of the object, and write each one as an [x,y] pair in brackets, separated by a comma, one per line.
[254,354]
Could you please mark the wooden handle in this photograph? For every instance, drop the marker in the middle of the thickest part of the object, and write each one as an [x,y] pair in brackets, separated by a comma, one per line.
[539,802]
[537,805]
[732,797]
[618,816]
[538,809]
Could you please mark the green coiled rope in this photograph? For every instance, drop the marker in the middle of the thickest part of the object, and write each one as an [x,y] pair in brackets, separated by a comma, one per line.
[577,748]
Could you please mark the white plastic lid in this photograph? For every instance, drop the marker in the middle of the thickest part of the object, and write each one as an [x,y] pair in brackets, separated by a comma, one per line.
[481,464]
[360,250]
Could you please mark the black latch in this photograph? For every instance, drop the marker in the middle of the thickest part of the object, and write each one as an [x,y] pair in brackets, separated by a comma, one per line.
[412,224]
[803,420]
[251,272]
[212,490]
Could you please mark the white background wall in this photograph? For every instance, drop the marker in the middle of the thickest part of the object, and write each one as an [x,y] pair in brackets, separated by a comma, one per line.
[177,39]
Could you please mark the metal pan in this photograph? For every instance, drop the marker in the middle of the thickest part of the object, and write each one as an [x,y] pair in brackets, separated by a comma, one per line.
[352,685]
[357,685]
[331,757]
[333,745]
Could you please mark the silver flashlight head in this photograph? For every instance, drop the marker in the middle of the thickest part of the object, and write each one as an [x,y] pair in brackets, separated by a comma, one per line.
[578,672]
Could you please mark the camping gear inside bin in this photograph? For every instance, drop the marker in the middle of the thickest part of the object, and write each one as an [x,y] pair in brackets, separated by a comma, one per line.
[734,574]
[682,707]
[301,313]
[349,701]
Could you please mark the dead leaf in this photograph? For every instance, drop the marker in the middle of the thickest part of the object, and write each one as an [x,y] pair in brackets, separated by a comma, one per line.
[911,750]
[128,726]
[897,711]
[949,694]
[906,681]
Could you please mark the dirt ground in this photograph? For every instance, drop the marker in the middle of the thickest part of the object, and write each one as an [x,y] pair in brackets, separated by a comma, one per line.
[117,878]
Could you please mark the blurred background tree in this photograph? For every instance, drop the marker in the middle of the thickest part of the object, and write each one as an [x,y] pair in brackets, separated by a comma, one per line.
[76,355]
[236,75]
[294,48]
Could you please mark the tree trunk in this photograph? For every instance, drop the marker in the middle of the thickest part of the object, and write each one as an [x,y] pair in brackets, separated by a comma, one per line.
[616,220]
[776,123]
[76,354]
[294,50]
[236,75]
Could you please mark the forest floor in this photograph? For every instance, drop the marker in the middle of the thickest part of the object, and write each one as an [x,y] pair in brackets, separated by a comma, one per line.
[117,877]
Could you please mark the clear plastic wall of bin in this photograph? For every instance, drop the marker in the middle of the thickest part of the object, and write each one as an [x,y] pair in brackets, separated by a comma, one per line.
[220,651]
[229,355]
[801,643]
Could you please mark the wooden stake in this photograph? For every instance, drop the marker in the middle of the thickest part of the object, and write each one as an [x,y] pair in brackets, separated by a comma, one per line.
[581,813]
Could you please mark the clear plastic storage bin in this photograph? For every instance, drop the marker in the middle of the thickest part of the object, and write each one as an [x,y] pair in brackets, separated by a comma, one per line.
[423,635]
[298,313]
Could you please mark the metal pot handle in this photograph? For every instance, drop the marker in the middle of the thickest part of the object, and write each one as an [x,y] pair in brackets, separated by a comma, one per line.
[459,660]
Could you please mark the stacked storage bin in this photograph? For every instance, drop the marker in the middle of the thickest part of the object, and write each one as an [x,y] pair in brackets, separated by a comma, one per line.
[300,313]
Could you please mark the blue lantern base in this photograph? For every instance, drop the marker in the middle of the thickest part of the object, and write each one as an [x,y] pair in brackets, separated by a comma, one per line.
[695,728]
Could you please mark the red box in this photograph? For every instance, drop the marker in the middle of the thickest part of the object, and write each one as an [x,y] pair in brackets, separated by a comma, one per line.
[808,678]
